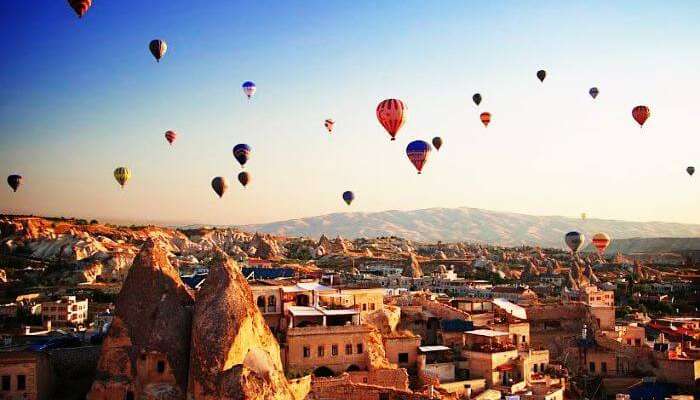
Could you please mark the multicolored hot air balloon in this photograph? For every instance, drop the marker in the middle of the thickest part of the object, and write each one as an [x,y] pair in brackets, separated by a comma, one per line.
[242,153]
[541,74]
[249,88]
[244,178]
[574,240]
[348,197]
[476,98]
[219,185]
[418,152]
[593,92]
[14,181]
[437,142]
[80,6]
[641,114]
[170,136]
[391,113]
[485,118]
[690,170]
[122,175]
[601,241]
[329,125]
[158,48]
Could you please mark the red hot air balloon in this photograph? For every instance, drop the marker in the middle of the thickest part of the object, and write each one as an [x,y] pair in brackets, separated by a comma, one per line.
[641,114]
[170,136]
[329,125]
[80,6]
[485,118]
[391,113]
[601,242]
[418,152]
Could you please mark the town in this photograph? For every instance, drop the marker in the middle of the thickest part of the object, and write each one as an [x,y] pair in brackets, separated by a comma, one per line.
[99,311]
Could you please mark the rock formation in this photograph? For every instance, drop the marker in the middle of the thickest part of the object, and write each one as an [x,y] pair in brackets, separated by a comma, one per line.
[412,267]
[266,247]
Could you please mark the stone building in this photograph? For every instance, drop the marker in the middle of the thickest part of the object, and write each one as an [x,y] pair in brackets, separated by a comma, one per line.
[65,311]
[25,375]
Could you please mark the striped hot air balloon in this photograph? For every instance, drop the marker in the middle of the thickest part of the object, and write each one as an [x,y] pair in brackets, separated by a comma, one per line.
[241,152]
[80,6]
[158,48]
[485,118]
[170,136]
[418,152]
[122,175]
[391,113]
[601,241]
[641,114]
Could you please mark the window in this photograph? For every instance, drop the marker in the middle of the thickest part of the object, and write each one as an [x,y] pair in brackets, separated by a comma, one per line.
[160,366]
[534,368]
[604,367]
[403,358]
[524,340]
[261,303]
[129,395]
[6,383]
[334,350]
[591,367]
[629,342]
[348,349]
[637,342]
[364,307]
[321,351]
[307,352]
[21,382]
[542,367]
[371,306]
[271,304]
[359,348]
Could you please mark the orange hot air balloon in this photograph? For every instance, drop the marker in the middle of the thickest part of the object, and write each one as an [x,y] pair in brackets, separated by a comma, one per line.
[601,241]
[80,6]
[641,114]
[485,118]
[391,113]
[170,136]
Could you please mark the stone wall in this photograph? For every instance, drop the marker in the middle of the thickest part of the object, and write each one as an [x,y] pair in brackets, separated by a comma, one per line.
[342,388]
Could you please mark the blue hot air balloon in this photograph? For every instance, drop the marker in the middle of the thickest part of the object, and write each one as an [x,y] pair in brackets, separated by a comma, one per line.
[249,88]
[348,196]
[418,151]
[242,153]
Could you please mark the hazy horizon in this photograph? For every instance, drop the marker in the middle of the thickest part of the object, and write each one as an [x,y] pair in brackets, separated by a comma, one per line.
[80,97]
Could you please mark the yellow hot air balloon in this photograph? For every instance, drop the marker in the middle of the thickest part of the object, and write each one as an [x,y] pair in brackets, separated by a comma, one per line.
[122,175]
[583,216]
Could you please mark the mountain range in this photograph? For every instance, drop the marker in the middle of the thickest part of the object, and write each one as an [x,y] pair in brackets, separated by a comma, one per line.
[471,224]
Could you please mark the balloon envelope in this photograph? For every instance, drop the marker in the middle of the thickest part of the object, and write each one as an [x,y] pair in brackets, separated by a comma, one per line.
[242,153]
[348,196]
[14,181]
[690,170]
[437,142]
[574,240]
[170,136]
[249,88]
[476,98]
[80,6]
[641,114]
[158,48]
[541,74]
[391,113]
[244,178]
[485,118]
[329,124]
[601,241]
[593,92]
[122,175]
[219,185]
[584,216]
[418,152]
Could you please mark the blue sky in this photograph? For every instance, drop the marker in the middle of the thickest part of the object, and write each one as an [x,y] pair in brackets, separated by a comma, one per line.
[81,97]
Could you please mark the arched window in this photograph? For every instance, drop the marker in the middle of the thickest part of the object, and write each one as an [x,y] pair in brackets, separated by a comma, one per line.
[271,304]
[261,303]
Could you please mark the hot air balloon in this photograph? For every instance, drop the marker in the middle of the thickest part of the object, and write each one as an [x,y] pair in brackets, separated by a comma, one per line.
[170,136]
[219,185]
[244,178]
[485,118]
[348,196]
[601,242]
[391,113]
[437,142]
[242,153]
[122,175]
[418,152]
[690,170]
[249,88]
[541,74]
[158,48]
[14,181]
[80,6]
[476,98]
[329,124]
[583,216]
[593,92]
[641,114]
[574,240]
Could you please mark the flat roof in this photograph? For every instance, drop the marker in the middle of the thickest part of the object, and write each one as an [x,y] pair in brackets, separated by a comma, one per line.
[512,309]
[487,332]
[346,311]
[301,311]
[427,349]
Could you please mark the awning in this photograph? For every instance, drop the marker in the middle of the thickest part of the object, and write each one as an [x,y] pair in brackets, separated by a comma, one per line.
[428,349]
[504,367]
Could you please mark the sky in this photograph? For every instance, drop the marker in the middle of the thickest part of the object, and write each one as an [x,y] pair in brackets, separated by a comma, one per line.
[80,97]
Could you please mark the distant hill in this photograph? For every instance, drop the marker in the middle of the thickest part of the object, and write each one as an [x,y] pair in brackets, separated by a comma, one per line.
[471,224]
